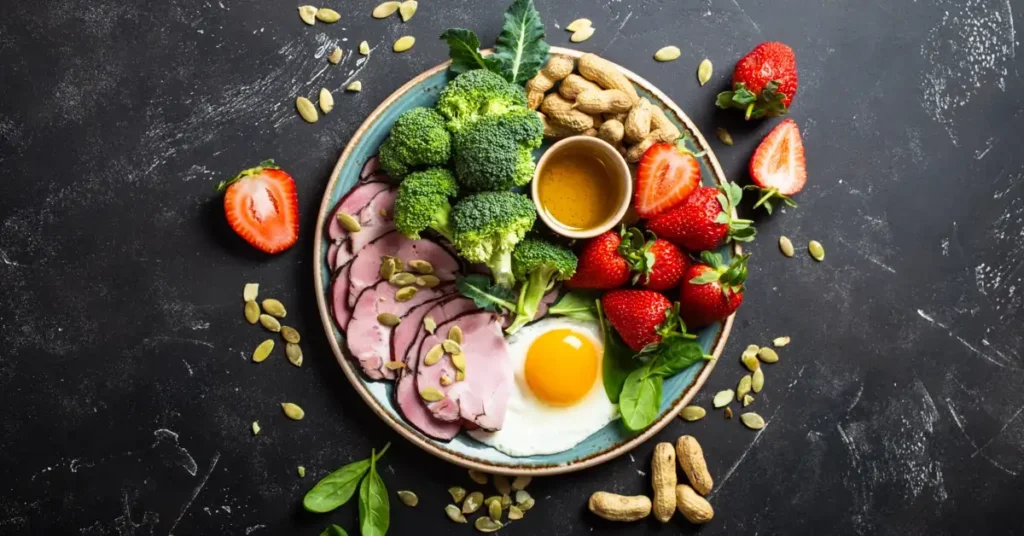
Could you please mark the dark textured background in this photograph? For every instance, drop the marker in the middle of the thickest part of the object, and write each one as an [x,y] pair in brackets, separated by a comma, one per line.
[126,392]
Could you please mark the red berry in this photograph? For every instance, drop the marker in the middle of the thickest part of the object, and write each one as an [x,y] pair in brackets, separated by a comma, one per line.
[666,174]
[262,207]
[636,315]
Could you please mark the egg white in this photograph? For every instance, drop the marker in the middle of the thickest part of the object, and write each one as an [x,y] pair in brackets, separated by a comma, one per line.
[533,427]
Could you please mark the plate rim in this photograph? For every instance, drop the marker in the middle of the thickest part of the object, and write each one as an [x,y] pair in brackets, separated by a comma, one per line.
[356,380]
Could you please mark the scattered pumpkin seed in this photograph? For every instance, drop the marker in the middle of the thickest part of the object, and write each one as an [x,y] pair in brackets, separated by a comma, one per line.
[249,291]
[270,323]
[494,510]
[252,312]
[722,398]
[487,525]
[667,53]
[750,361]
[421,266]
[520,482]
[354,87]
[514,513]
[394,365]
[522,496]
[458,493]
[306,110]
[502,484]
[403,43]
[290,334]
[752,421]
[408,498]
[348,222]
[255,427]
[724,136]
[434,355]
[387,268]
[786,246]
[429,324]
[816,250]
[743,388]
[405,294]
[428,281]
[445,380]
[752,348]
[388,319]
[451,347]
[455,334]
[385,10]
[748,400]
[262,351]
[335,57]
[473,502]
[459,361]
[364,48]
[292,411]
[582,34]
[728,413]
[506,501]
[327,15]
[478,476]
[308,14]
[407,9]
[704,71]
[431,394]
[274,308]
[578,25]
[294,354]
[757,382]
[326,101]
[302,471]
[402,279]
[779,342]
[693,413]
[454,514]
[460,375]
[768,355]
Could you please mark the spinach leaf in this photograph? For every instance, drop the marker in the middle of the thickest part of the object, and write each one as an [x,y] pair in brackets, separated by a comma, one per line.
[520,47]
[464,50]
[617,361]
[576,304]
[640,399]
[485,294]
[374,509]
[334,530]
[338,487]
[675,354]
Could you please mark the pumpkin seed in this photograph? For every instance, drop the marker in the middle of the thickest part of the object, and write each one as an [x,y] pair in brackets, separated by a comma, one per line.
[326,101]
[693,413]
[255,427]
[779,342]
[520,482]
[514,513]
[431,394]
[502,484]
[252,312]
[522,496]
[249,291]
[293,411]
[402,279]
[428,281]
[667,53]
[458,493]
[728,413]
[506,501]
[767,355]
[364,48]
[722,398]
[403,43]
[408,498]
[270,323]
[328,16]
[478,476]
[429,324]
[578,25]
[454,514]
[757,382]
[445,380]
[355,87]
[302,471]
[388,319]
[459,361]
[306,109]
[487,525]
[294,354]
[421,267]
[460,375]
[724,136]
[308,14]
[494,510]
[262,351]
[743,388]
[786,246]
[473,502]
[455,334]
[752,348]
[407,9]
[816,250]
[748,400]
[434,355]
[582,34]
[394,365]
[335,57]
[405,294]
[348,222]
[704,71]
[385,10]
[274,308]
[752,421]
[750,361]
[290,334]
[451,347]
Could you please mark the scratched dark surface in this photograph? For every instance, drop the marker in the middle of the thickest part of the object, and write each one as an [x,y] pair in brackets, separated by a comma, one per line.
[126,390]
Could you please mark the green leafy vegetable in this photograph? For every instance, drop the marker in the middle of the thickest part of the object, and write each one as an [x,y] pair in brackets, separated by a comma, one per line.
[618,359]
[485,294]
[338,487]
[520,47]
[334,530]
[675,354]
[464,50]
[576,304]
[374,510]
[640,399]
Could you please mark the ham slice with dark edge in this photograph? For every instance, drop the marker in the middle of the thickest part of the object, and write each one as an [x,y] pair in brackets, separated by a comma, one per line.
[481,398]
[340,309]
[368,340]
[376,219]
[369,168]
[353,202]
[365,269]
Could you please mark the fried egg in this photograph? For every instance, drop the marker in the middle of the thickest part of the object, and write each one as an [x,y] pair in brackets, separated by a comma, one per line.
[557,398]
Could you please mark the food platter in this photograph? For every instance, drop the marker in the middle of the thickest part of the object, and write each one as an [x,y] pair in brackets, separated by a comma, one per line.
[611,441]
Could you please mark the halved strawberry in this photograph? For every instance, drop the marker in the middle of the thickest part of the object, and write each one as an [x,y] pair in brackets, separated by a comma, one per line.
[262,207]
[666,174]
[778,167]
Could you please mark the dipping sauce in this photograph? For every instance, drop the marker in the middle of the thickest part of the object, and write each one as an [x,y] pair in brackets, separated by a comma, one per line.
[576,189]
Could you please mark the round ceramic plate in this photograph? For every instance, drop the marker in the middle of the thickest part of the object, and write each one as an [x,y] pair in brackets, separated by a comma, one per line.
[611,441]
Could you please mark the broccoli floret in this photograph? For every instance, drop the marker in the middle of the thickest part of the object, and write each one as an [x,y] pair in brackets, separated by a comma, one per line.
[422,202]
[496,153]
[487,226]
[476,94]
[537,264]
[418,139]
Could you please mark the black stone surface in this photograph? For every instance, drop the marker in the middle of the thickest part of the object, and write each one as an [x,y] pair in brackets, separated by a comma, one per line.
[126,392]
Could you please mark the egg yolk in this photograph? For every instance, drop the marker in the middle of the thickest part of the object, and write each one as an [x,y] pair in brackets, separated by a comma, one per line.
[561,367]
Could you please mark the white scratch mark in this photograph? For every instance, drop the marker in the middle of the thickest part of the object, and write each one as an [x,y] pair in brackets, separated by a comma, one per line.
[999,433]
[7,260]
[881,264]
[164,338]
[195,492]
[958,421]
[188,367]
[188,463]
[856,398]
[744,12]
[254,528]
[931,320]
[966,344]
[757,437]
[978,155]
[618,32]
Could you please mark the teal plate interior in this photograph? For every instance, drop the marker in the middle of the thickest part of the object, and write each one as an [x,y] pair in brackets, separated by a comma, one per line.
[464,450]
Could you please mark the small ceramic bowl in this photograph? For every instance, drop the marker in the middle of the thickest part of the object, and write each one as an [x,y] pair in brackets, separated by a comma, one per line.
[613,162]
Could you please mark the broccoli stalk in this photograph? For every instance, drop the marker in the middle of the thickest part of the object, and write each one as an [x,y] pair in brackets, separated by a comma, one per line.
[487,226]
[422,203]
[538,265]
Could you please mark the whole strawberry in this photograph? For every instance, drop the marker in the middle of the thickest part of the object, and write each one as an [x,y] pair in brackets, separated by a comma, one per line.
[763,82]
[600,265]
[639,316]
[704,221]
[668,266]
[712,291]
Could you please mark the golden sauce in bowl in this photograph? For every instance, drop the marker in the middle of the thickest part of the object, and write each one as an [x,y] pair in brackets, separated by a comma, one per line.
[578,190]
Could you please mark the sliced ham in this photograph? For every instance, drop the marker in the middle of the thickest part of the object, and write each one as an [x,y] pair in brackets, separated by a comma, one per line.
[368,340]
[340,309]
[411,327]
[353,202]
[366,265]
[369,168]
[332,255]
[441,311]
[481,398]
[376,219]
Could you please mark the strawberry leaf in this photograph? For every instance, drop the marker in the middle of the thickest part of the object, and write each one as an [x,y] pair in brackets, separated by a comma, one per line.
[520,47]
[769,103]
